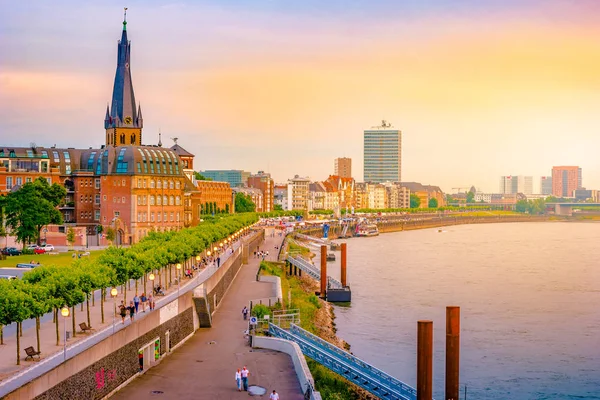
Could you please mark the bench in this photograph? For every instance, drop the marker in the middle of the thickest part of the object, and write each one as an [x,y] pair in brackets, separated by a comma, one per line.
[30,351]
[84,327]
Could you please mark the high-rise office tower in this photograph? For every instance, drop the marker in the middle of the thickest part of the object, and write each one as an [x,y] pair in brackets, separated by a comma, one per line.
[565,180]
[382,154]
[343,167]
[516,184]
[546,185]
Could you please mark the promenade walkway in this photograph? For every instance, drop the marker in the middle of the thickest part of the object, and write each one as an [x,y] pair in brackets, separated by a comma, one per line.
[9,371]
[201,370]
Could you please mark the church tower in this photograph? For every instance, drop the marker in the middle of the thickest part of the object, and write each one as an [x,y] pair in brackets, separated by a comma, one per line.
[123,121]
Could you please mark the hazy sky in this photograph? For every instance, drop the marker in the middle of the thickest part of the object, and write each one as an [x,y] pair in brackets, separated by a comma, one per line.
[479,88]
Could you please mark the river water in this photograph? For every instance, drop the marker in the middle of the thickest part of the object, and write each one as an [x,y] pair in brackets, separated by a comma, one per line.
[530,306]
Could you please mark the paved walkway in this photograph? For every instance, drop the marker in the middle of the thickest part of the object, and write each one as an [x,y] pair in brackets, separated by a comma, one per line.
[8,352]
[199,370]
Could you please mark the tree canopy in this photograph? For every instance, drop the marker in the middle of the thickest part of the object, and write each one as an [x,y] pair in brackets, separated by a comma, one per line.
[33,206]
[243,203]
[415,201]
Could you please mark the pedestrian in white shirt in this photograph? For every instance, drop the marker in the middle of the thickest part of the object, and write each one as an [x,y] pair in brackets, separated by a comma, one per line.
[274,396]
[238,380]
[245,374]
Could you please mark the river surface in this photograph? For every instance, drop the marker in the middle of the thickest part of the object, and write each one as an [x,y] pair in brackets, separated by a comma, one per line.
[530,306]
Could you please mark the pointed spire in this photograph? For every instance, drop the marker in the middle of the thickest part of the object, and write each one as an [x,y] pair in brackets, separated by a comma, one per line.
[159,139]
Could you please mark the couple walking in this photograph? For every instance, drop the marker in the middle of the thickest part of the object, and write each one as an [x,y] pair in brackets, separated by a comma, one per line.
[241,378]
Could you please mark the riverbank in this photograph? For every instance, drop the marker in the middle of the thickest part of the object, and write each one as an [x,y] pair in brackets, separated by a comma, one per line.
[316,316]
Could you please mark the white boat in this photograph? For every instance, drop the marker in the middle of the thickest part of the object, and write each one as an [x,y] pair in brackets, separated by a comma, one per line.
[366,230]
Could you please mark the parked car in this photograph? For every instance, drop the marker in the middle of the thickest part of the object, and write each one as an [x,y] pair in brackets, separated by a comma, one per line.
[9,277]
[39,250]
[48,247]
[11,251]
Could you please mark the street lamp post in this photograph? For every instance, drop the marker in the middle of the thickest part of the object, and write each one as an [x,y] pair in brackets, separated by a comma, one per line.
[65,313]
[151,277]
[113,293]
[178,266]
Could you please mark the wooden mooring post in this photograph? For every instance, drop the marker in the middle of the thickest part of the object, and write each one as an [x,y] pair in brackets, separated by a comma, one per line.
[343,265]
[452,352]
[424,360]
[323,271]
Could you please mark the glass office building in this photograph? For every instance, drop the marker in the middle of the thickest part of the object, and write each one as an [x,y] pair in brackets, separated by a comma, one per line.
[382,153]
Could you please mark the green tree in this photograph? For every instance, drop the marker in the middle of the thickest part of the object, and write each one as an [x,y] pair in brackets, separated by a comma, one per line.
[433,203]
[470,197]
[200,177]
[415,201]
[70,236]
[243,203]
[110,235]
[32,207]
[521,206]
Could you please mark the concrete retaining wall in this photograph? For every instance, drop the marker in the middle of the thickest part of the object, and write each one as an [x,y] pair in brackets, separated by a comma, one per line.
[293,350]
[96,372]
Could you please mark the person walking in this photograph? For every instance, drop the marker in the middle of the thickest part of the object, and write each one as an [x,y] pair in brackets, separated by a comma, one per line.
[245,373]
[150,302]
[131,310]
[136,302]
[143,300]
[238,380]
[274,396]
[123,312]
[245,312]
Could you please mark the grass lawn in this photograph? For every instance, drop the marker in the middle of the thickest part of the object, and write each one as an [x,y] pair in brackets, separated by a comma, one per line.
[44,259]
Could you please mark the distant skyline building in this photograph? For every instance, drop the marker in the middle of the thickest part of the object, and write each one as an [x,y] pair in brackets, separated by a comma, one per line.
[235,177]
[565,179]
[382,154]
[343,167]
[516,184]
[263,182]
[546,185]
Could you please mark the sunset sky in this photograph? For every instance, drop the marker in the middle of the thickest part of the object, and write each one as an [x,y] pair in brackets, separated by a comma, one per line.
[479,88]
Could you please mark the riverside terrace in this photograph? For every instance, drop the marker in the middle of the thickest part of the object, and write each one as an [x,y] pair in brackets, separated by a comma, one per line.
[13,376]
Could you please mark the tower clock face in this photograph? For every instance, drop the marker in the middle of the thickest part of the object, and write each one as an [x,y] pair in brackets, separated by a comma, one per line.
[128,120]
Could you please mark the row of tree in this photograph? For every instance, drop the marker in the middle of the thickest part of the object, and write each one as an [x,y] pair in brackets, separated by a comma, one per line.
[211,208]
[49,288]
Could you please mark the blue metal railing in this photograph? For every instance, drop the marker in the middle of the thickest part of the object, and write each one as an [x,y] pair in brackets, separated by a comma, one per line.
[345,364]
[312,271]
